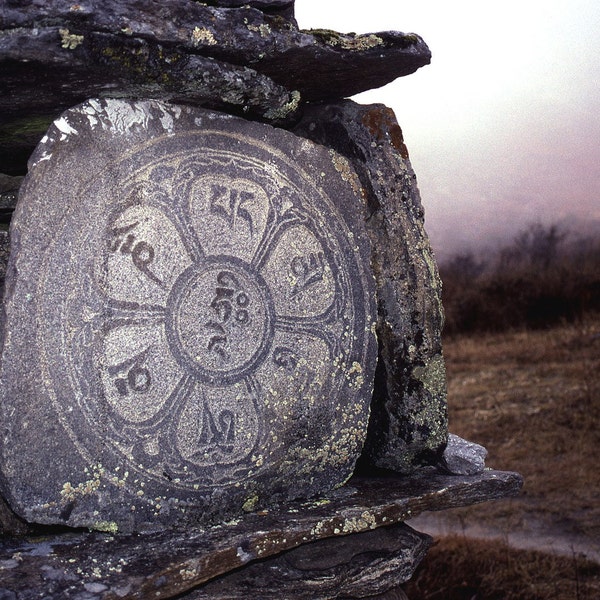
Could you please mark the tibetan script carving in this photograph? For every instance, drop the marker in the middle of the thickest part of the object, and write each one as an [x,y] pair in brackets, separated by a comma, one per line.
[221,308]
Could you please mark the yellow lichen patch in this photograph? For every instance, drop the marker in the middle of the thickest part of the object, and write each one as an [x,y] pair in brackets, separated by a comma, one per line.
[321,527]
[433,376]
[69,41]
[263,29]
[337,454]
[188,573]
[323,502]
[349,41]
[202,35]
[366,521]
[106,526]
[250,504]
[69,493]
[360,42]
[342,166]
[283,111]
[357,371]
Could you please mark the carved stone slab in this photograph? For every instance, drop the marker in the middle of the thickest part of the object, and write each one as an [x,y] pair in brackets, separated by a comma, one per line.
[189,320]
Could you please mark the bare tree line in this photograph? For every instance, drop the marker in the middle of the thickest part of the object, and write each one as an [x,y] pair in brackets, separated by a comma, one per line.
[546,274]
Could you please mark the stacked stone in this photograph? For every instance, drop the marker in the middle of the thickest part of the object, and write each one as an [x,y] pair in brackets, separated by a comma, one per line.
[250,58]
[220,298]
[48,47]
[245,58]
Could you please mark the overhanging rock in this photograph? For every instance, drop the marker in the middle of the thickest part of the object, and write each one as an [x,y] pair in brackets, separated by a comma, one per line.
[250,60]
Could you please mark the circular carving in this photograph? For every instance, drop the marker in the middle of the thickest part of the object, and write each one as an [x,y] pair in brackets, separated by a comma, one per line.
[220,319]
[219,324]
[226,302]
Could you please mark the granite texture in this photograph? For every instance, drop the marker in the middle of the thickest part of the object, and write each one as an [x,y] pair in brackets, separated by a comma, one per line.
[462,457]
[188,328]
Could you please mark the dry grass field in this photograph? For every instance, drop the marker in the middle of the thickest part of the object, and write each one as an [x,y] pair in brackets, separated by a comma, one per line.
[532,398]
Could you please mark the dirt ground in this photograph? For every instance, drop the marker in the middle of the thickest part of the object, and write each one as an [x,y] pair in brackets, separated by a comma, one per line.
[532,398]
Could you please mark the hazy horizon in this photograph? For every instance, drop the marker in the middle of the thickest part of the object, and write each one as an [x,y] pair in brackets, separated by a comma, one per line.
[503,127]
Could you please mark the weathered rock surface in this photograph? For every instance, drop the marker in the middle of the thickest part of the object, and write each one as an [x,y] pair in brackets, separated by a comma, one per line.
[10,524]
[169,563]
[354,566]
[462,457]
[54,54]
[408,424]
[189,320]
[284,8]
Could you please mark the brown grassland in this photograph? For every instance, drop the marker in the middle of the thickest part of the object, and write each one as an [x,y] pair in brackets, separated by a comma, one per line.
[532,398]
[522,348]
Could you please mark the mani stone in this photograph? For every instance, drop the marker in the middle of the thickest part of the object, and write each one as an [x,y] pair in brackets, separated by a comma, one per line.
[409,423]
[188,322]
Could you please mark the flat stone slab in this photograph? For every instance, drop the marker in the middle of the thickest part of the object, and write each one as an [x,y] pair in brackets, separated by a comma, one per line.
[360,565]
[249,59]
[189,320]
[169,563]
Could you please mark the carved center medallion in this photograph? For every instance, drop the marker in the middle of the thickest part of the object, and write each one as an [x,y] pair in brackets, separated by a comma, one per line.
[220,322]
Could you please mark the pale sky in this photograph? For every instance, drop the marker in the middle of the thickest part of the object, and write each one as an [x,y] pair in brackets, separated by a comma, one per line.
[503,127]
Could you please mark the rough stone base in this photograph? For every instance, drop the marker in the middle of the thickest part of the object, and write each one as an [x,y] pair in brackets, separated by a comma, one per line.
[356,524]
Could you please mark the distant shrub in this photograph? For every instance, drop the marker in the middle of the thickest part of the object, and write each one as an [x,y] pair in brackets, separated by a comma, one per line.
[544,277]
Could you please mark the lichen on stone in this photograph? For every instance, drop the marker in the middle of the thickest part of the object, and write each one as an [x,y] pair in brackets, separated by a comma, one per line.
[263,29]
[202,35]
[342,166]
[290,107]
[250,503]
[70,493]
[364,522]
[69,41]
[106,527]
[349,41]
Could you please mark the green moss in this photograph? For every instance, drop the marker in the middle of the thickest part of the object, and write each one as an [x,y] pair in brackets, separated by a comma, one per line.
[27,126]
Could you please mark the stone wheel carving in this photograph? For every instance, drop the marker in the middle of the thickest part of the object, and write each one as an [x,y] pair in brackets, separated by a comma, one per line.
[220,315]
[189,327]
